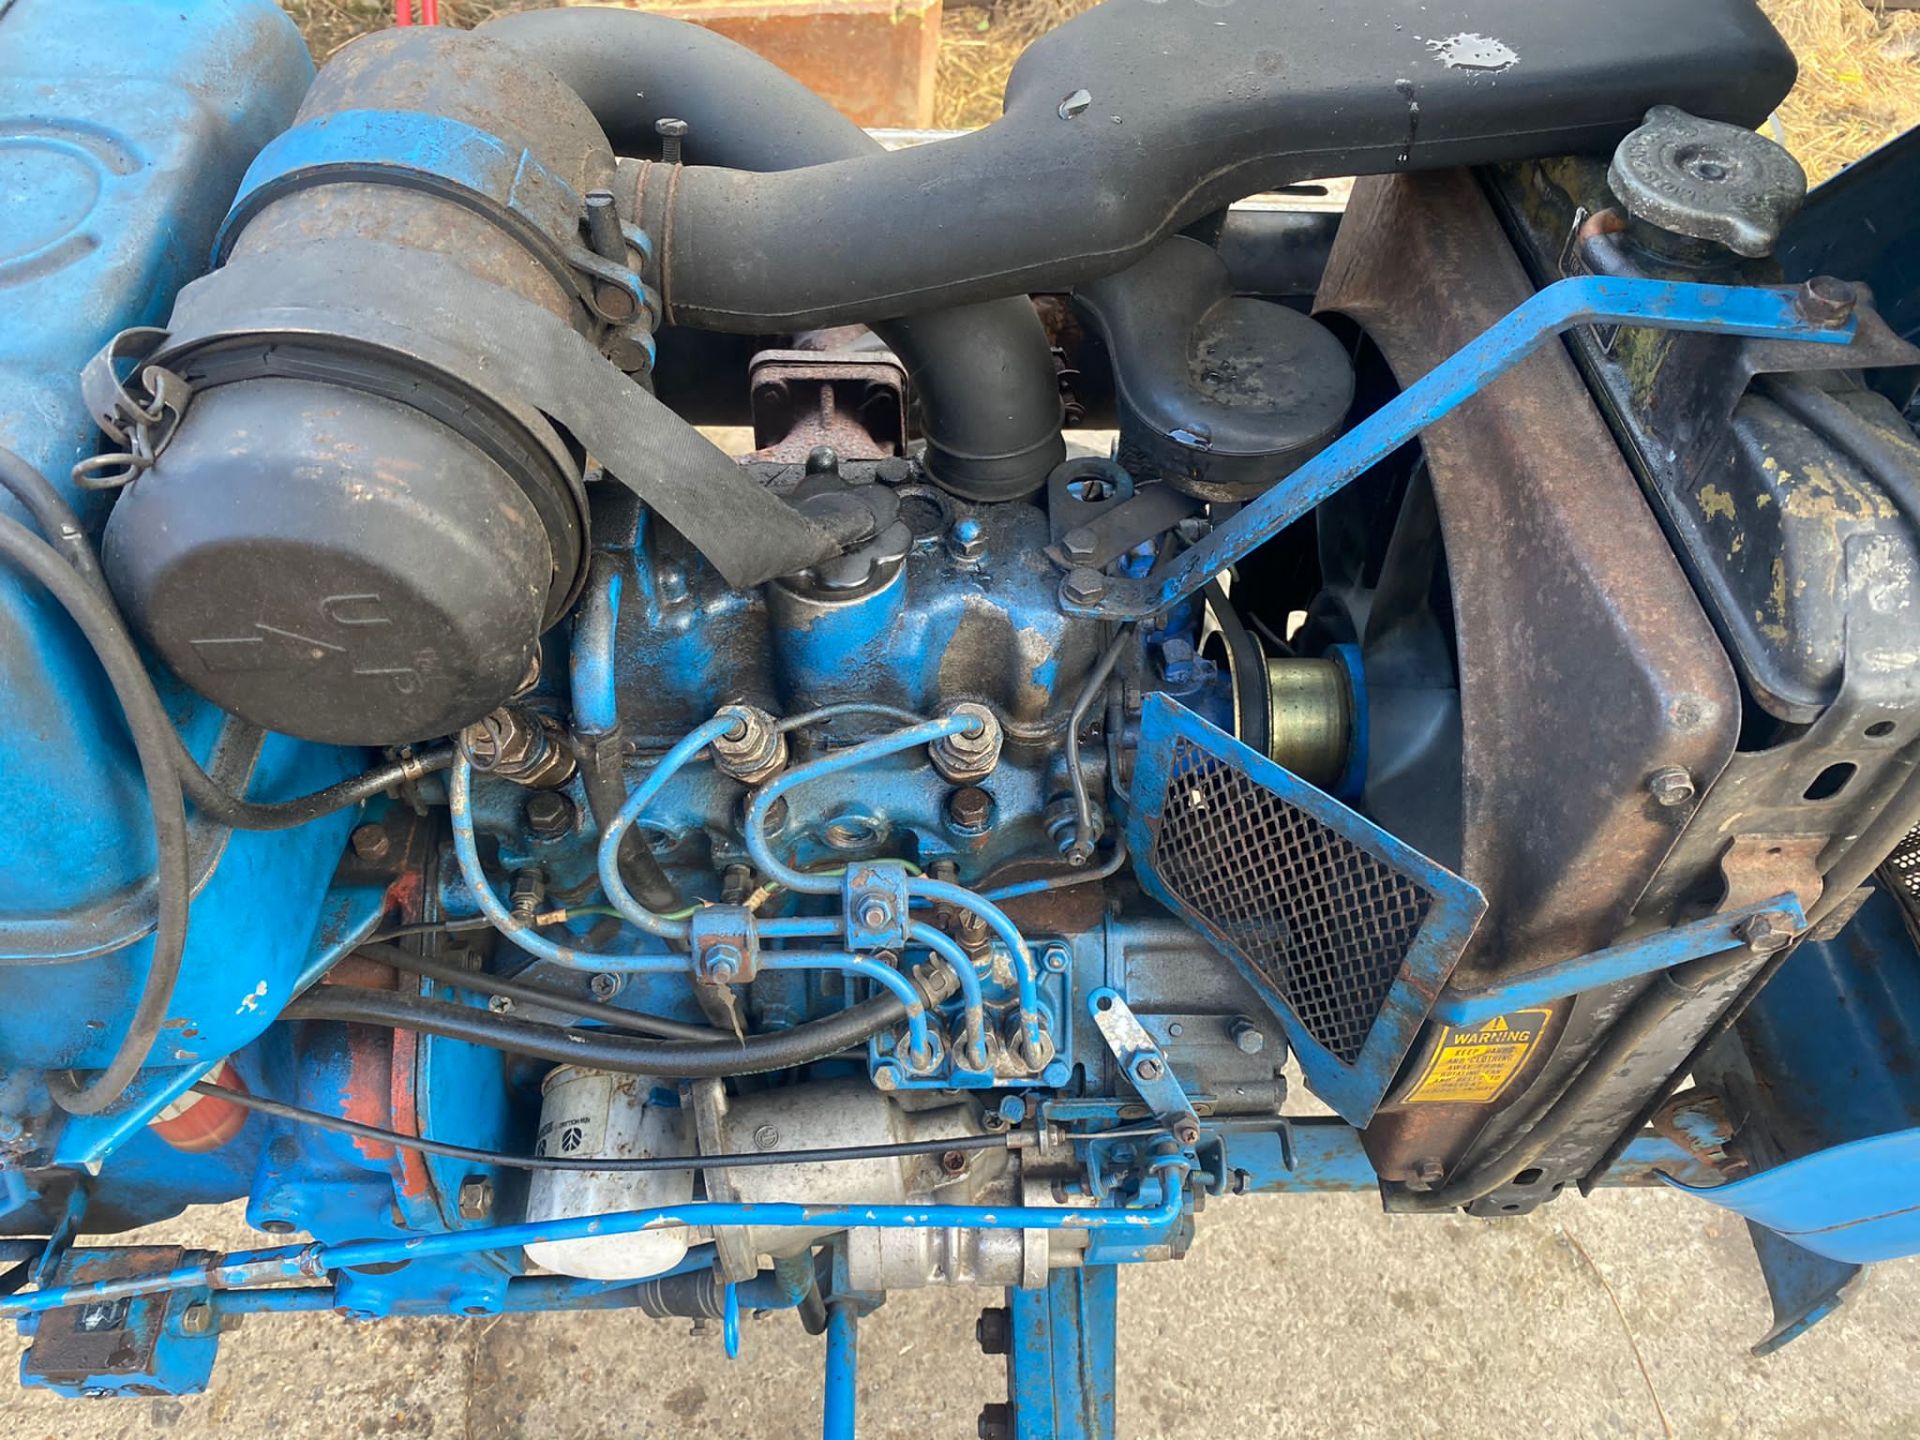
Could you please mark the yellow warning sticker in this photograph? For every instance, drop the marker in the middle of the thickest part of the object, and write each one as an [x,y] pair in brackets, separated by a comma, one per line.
[1472,1066]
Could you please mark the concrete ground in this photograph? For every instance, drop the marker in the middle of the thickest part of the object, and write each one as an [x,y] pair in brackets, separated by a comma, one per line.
[1624,1316]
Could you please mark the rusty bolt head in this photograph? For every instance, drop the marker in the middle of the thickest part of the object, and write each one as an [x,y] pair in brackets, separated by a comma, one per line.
[969,808]
[1767,933]
[953,1162]
[967,540]
[604,986]
[1078,544]
[1084,585]
[476,1198]
[371,843]
[1671,786]
[549,815]
[971,755]
[1827,301]
[1186,1130]
[197,1319]
[1148,1069]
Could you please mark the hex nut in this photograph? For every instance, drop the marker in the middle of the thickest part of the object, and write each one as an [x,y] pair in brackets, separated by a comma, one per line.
[1248,1038]
[1084,585]
[967,540]
[970,756]
[476,1198]
[1767,933]
[969,808]
[371,843]
[754,750]
[994,1330]
[549,815]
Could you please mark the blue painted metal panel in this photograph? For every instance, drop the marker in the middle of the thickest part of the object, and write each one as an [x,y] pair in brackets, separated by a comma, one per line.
[1353,1090]
[1060,1370]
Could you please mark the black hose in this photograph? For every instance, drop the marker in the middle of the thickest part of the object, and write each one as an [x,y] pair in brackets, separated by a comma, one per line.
[151,730]
[712,1059]
[989,391]
[637,1165]
[62,528]
[611,1016]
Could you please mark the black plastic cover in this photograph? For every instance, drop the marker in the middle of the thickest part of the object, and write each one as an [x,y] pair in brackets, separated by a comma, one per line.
[1219,394]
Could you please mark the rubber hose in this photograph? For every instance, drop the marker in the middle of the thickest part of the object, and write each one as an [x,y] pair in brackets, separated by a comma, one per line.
[151,730]
[712,1059]
[989,392]
[478,983]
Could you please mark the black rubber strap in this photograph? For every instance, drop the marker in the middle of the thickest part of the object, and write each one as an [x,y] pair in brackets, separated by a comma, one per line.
[422,307]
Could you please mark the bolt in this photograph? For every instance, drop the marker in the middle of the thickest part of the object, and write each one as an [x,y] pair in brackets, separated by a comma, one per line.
[549,815]
[1078,544]
[671,133]
[823,460]
[371,843]
[1248,1038]
[875,913]
[722,963]
[994,1330]
[604,986]
[277,1227]
[953,1162]
[1186,1130]
[972,931]
[1427,1174]
[1148,1069]
[476,1198]
[197,1319]
[1767,933]
[765,1137]
[1084,585]
[500,1004]
[968,808]
[967,540]
[1075,104]
[996,1421]
[970,755]
[1826,301]
[1671,786]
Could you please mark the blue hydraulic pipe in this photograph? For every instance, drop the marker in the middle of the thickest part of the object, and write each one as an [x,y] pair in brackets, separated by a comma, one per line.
[971,1000]
[467,850]
[883,975]
[843,1368]
[1025,975]
[309,1262]
[754,829]
[669,766]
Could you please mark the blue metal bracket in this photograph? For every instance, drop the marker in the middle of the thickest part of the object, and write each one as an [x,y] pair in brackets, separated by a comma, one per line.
[1146,1065]
[1060,1368]
[725,945]
[874,894]
[1754,311]
[1772,923]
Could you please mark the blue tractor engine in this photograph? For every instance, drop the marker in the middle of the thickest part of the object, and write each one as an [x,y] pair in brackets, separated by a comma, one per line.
[541,854]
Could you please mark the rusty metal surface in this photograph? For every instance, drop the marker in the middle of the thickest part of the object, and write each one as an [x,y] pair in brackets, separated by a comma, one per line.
[874,59]
[851,400]
[1586,663]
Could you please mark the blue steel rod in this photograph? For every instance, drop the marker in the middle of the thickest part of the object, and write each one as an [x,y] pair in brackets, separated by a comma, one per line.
[1752,311]
[839,1422]
[308,1262]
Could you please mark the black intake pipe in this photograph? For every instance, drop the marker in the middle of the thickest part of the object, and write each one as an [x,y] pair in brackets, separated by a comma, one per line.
[989,393]
[1141,116]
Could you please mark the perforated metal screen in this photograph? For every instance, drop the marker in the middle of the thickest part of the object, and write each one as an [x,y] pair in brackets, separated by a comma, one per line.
[1903,872]
[1325,922]
[1348,933]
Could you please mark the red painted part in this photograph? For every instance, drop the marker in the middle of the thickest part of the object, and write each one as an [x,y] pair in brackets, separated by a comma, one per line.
[429,12]
[198,1123]
[403,12]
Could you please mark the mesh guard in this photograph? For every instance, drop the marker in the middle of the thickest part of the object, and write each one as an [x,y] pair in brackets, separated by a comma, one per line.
[1346,933]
